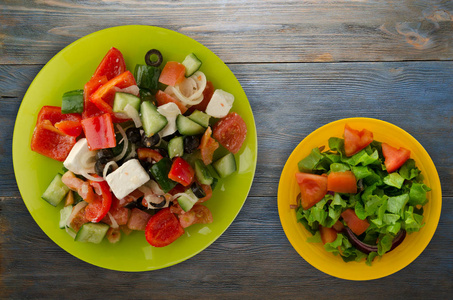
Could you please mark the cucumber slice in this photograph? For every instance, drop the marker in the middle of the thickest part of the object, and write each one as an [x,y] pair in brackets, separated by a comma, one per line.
[72,102]
[56,191]
[202,173]
[188,200]
[176,147]
[192,64]
[122,99]
[65,212]
[92,232]
[186,126]
[200,118]
[152,120]
[147,77]
[225,166]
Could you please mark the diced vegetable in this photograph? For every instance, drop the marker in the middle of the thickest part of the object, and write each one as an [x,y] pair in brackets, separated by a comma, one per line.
[56,191]
[92,233]
[202,173]
[231,132]
[186,126]
[160,172]
[312,188]
[394,158]
[192,64]
[163,229]
[152,120]
[351,219]
[200,118]
[342,182]
[176,147]
[225,166]
[181,171]
[355,140]
[123,99]
[172,73]
[72,102]
[99,132]
[147,77]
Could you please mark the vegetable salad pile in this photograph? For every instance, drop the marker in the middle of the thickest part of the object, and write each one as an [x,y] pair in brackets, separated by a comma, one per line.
[141,151]
[360,197]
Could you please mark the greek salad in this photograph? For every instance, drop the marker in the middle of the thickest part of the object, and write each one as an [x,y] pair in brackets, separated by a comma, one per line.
[360,197]
[141,150]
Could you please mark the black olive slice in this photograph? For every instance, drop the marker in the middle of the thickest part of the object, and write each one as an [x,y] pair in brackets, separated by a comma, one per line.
[153,53]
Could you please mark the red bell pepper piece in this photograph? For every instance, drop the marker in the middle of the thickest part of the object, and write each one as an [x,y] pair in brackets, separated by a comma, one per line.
[103,97]
[89,109]
[98,209]
[54,115]
[51,142]
[181,171]
[72,128]
[99,132]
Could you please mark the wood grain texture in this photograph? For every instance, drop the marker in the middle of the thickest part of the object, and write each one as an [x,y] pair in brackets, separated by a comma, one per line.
[242,31]
[253,258]
[302,64]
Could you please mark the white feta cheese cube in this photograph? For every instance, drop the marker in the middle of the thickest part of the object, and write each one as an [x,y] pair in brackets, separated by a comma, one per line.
[220,104]
[170,111]
[127,178]
[80,159]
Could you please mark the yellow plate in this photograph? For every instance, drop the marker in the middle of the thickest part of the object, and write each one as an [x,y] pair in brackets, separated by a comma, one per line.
[391,262]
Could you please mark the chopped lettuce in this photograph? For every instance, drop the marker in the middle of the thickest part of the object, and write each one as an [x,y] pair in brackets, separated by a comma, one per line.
[390,202]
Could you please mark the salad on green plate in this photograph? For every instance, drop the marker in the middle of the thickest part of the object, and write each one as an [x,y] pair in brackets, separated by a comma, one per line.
[131,146]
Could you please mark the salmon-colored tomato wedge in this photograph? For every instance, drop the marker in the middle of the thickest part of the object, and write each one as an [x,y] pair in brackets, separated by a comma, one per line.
[163,228]
[164,98]
[312,188]
[207,146]
[355,140]
[342,182]
[328,235]
[358,226]
[172,73]
[83,188]
[394,158]
[231,132]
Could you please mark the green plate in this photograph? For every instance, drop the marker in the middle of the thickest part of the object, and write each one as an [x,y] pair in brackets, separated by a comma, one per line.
[70,69]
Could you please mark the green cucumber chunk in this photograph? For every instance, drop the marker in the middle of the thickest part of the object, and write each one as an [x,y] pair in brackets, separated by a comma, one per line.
[188,200]
[123,99]
[225,166]
[56,191]
[202,173]
[176,147]
[152,120]
[65,212]
[147,77]
[72,102]
[192,64]
[160,172]
[200,118]
[186,126]
[92,232]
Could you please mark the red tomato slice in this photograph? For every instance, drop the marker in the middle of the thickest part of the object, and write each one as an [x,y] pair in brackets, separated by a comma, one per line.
[89,109]
[72,128]
[164,98]
[54,115]
[357,225]
[342,182]
[207,95]
[111,65]
[98,209]
[328,235]
[172,73]
[312,188]
[207,146]
[51,142]
[394,158]
[198,214]
[99,132]
[181,171]
[231,132]
[338,226]
[355,140]
[163,229]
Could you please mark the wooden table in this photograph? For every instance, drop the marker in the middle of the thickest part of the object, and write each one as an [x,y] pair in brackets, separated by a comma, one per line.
[302,64]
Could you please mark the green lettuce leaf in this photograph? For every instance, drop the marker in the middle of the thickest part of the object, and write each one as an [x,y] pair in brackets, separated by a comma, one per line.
[394,179]
[417,194]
